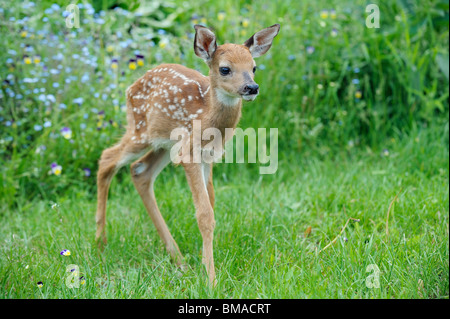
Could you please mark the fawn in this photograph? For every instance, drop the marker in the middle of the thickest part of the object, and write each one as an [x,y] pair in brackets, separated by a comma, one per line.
[171,96]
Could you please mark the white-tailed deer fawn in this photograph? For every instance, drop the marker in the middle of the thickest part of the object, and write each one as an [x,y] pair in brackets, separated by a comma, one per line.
[170,97]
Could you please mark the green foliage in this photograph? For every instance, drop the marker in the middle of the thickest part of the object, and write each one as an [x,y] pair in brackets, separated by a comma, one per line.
[328,83]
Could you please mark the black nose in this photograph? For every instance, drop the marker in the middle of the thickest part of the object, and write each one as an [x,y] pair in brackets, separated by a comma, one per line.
[251,88]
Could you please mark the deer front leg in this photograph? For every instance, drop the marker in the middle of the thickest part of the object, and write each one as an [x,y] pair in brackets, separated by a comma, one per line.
[209,183]
[195,174]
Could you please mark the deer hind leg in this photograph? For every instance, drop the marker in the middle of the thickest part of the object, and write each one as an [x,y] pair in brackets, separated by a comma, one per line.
[112,159]
[144,173]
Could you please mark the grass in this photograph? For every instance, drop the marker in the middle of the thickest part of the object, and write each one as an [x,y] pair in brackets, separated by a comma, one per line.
[363,123]
[260,246]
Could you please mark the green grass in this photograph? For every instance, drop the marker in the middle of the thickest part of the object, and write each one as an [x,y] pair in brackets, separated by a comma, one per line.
[260,245]
[363,122]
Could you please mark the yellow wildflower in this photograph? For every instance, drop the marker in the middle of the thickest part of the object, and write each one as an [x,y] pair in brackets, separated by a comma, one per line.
[132,64]
[324,14]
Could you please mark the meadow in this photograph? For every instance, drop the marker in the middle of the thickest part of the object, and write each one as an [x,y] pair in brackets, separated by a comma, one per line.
[359,205]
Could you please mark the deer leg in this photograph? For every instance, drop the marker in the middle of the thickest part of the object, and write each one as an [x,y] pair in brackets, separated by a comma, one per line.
[204,213]
[144,173]
[111,161]
[208,177]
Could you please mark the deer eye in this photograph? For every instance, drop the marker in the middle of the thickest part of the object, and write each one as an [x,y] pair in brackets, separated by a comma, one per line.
[224,71]
[254,69]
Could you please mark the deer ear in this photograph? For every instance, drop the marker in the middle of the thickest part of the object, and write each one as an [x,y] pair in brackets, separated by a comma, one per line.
[204,43]
[261,41]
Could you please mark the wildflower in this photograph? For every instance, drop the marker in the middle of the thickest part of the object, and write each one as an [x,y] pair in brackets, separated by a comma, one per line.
[27,266]
[87,172]
[109,48]
[78,100]
[355,81]
[245,23]
[333,14]
[26,59]
[114,64]
[320,86]
[221,16]
[56,169]
[158,56]
[324,14]
[65,252]
[291,57]
[101,115]
[40,284]
[386,152]
[162,44]
[334,32]
[47,124]
[38,127]
[37,59]
[358,94]
[23,33]
[195,18]
[132,64]
[345,239]
[85,78]
[140,59]
[66,133]
[82,280]
[310,49]
[55,205]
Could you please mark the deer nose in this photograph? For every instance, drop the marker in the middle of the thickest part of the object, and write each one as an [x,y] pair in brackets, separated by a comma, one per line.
[251,88]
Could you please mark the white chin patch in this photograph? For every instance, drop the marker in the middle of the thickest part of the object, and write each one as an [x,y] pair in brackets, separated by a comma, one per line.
[226,98]
[249,97]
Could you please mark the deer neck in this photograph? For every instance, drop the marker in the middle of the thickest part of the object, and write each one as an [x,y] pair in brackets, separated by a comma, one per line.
[224,109]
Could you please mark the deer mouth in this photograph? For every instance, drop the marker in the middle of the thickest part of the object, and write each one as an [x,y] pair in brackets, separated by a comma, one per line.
[249,97]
